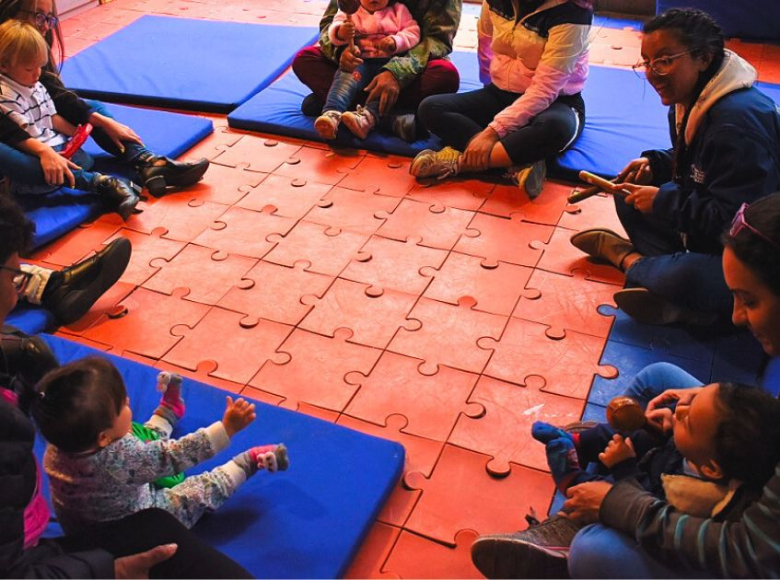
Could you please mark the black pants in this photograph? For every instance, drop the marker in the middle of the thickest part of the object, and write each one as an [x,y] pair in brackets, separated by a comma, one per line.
[456,118]
[148,529]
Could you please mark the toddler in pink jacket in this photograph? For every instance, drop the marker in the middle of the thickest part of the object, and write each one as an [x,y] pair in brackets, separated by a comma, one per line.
[378,30]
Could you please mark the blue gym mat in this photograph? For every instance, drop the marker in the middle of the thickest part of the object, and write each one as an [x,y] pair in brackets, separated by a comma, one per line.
[31,319]
[277,110]
[306,522]
[183,63]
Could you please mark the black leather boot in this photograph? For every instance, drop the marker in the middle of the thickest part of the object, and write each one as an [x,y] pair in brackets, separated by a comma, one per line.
[71,292]
[157,177]
[125,195]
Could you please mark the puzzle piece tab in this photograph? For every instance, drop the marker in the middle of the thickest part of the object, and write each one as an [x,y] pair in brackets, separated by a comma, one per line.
[434,226]
[503,240]
[291,197]
[353,211]
[243,232]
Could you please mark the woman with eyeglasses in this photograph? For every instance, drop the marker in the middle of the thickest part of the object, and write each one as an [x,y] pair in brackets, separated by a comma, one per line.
[726,136]
[637,535]
[28,162]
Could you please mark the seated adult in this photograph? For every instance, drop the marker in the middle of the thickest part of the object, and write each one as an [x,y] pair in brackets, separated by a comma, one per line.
[151,542]
[640,536]
[27,161]
[533,60]
[726,136]
[404,81]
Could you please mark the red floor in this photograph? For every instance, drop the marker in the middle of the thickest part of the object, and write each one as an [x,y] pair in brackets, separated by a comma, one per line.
[448,318]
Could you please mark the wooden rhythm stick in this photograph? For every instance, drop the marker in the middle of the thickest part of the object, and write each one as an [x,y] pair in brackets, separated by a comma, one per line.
[349,7]
[602,183]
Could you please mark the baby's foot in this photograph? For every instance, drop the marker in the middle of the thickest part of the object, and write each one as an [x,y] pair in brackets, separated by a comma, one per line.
[544,432]
[170,385]
[269,457]
[327,124]
[360,122]
[563,461]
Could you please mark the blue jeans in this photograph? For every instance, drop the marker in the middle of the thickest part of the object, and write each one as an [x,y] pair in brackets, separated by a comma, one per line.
[346,86]
[691,279]
[601,552]
[458,117]
[25,169]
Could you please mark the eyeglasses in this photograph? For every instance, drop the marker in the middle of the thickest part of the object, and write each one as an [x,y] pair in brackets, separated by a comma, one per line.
[739,224]
[660,66]
[21,279]
[41,18]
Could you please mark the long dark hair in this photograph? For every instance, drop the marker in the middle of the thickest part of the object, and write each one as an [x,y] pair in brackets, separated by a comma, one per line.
[700,34]
[16,231]
[756,252]
[12,9]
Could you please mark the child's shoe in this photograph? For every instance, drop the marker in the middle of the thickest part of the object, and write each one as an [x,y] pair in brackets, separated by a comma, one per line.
[359,122]
[170,385]
[438,164]
[327,124]
[124,194]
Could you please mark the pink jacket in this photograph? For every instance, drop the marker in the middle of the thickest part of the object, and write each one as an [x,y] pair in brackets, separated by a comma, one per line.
[395,21]
[542,56]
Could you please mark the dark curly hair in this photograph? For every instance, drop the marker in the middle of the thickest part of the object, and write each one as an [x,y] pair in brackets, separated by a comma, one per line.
[746,440]
[696,30]
[16,231]
[760,254]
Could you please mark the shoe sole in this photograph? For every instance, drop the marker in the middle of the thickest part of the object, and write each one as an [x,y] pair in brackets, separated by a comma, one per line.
[325,129]
[504,558]
[113,264]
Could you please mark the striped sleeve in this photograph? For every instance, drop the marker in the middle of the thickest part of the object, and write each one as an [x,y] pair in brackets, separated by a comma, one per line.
[745,547]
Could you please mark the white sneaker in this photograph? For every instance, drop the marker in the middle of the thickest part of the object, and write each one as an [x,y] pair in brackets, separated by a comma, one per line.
[359,122]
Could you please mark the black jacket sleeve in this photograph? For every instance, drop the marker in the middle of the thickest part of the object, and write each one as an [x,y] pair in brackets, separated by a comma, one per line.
[73,108]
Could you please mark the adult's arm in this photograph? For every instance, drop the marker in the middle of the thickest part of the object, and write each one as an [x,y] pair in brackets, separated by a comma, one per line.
[749,547]
[68,104]
[736,164]
[565,46]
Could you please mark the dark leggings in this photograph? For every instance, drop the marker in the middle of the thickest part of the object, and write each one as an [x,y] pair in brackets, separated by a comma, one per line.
[456,118]
[148,529]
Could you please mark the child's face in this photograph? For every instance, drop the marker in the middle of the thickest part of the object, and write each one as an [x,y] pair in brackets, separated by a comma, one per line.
[120,427]
[694,427]
[25,73]
[374,5]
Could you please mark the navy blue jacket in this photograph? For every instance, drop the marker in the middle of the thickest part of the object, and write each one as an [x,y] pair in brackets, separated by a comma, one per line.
[734,157]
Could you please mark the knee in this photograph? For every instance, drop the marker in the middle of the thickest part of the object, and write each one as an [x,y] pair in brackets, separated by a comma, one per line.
[304,60]
[591,546]
[443,76]
[430,110]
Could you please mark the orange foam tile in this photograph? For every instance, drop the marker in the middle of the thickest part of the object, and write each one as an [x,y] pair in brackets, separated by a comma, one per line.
[386,175]
[225,185]
[76,244]
[290,197]
[461,495]
[372,555]
[504,431]
[145,249]
[354,211]
[257,153]
[243,232]
[503,240]
[432,226]
[416,557]
[429,404]
[320,166]
[508,201]
[458,193]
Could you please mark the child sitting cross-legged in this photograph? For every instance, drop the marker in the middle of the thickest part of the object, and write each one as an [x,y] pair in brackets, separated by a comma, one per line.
[709,459]
[100,471]
[378,30]
[23,98]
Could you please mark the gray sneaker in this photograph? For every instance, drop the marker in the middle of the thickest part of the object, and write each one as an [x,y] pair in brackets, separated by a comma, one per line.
[541,551]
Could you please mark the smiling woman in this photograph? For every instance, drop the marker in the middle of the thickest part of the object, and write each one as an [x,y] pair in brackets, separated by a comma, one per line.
[726,138]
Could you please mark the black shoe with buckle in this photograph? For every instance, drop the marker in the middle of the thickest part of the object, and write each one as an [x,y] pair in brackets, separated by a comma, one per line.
[541,551]
[70,293]
[121,194]
[158,177]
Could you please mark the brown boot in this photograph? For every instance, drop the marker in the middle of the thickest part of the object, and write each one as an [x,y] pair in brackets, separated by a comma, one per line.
[604,245]
[649,308]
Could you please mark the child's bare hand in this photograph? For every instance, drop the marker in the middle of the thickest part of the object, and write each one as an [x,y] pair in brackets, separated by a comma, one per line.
[660,419]
[386,45]
[238,415]
[346,31]
[617,450]
[350,59]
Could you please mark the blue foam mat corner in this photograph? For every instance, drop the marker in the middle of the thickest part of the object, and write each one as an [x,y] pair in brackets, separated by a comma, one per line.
[306,522]
[185,63]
